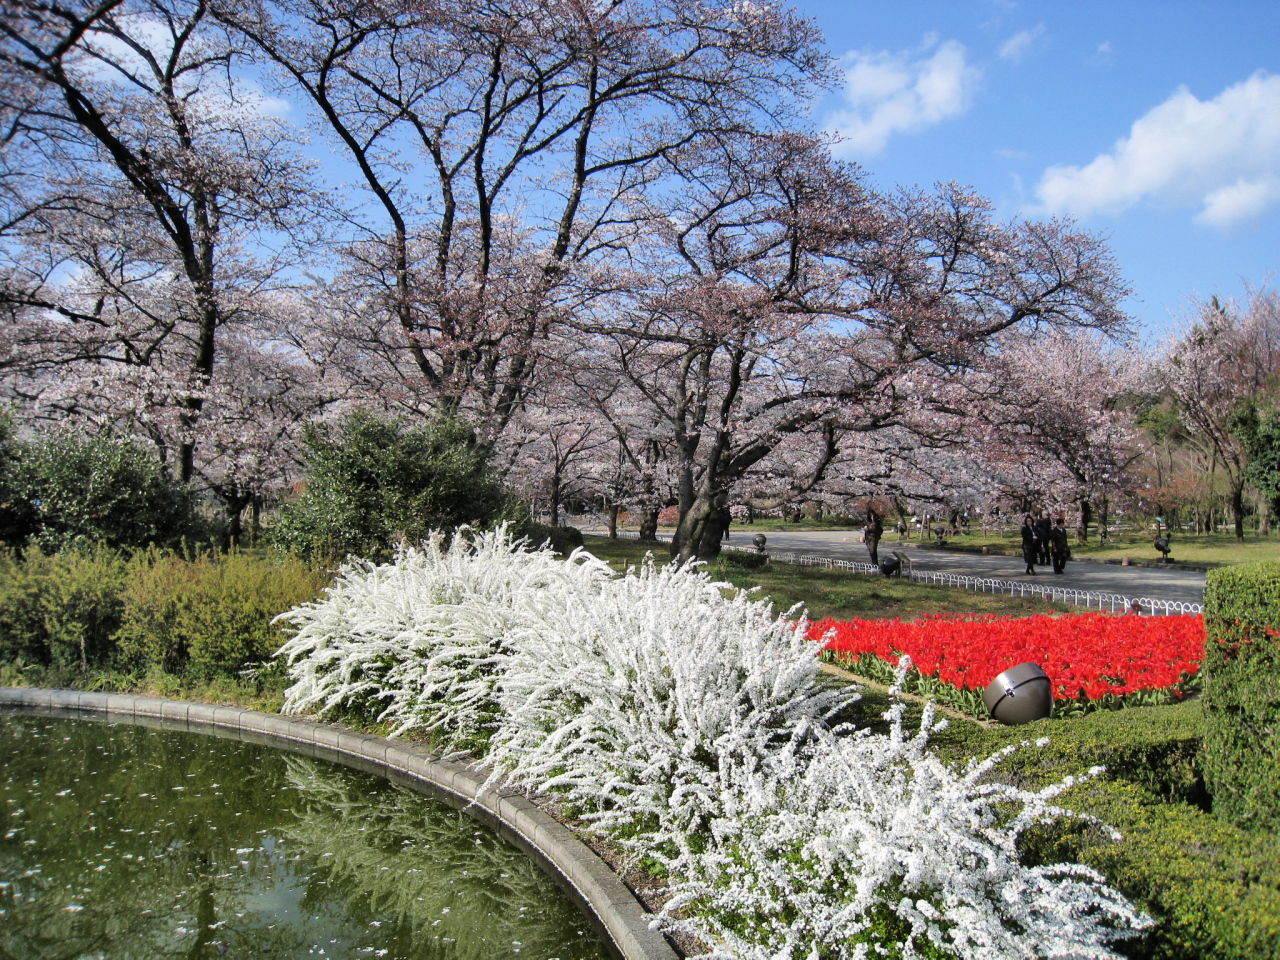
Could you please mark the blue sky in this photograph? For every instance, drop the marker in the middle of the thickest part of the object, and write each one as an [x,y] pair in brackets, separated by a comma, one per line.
[1154,124]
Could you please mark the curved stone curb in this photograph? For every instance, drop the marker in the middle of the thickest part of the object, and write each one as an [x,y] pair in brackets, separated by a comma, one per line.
[588,879]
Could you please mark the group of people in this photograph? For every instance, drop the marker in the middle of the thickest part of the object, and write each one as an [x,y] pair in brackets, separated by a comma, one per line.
[1044,541]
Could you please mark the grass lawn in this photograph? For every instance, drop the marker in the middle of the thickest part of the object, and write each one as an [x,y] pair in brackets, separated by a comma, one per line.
[835,593]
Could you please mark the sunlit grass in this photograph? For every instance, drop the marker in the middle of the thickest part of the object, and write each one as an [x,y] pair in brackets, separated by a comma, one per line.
[835,593]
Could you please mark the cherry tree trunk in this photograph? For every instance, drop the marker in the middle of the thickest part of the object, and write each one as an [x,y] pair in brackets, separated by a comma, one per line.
[1237,510]
[700,531]
[1086,516]
[649,523]
[613,521]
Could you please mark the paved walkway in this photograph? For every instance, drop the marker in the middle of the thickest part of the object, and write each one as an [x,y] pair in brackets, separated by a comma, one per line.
[1182,585]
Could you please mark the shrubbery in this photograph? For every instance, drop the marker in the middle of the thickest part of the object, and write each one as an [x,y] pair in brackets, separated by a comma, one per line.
[1241,693]
[102,489]
[372,481]
[562,539]
[741,560]
[61,610]
[95,608]
[18,517]
[209,615]
[1213,888]
[692,725]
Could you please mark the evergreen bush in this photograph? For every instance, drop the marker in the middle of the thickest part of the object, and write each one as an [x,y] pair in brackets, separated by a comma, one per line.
[102,489]
[1241,677]
[562,540]
[741,560]
[93,608]
[1213,888]
[18,517]
[61,610]
[372,481]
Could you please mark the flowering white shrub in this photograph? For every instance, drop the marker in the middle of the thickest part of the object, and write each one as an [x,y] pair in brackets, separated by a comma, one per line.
[690,723]
[632,701]
[862,844]
[413,642]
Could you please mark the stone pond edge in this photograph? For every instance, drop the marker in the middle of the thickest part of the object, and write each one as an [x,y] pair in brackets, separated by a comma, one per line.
[587,878]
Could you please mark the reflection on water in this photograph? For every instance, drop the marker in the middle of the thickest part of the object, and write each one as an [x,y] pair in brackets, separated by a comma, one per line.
[125,842]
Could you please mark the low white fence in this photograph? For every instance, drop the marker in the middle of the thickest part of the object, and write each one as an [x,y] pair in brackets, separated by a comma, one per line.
[1089,599]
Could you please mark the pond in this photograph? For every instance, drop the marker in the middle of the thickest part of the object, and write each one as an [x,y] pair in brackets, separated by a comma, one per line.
[125,842]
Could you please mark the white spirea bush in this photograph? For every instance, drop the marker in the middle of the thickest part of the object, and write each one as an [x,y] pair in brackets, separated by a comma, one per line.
[634,699]
[872,843]
[688,722]
[414,642]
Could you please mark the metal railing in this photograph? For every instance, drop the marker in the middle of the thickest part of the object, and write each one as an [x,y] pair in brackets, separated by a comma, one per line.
[1089,599]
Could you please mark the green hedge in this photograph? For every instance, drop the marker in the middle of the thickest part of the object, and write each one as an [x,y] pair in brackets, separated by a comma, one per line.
[562,539]
[1242,693]
[211,615]
[60,610]
[1213,888]
[94,608]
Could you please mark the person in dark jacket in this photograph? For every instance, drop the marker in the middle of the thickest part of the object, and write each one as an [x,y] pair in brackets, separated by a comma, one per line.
[1029,545]
[1058,547]
[871,535]
[1044,534]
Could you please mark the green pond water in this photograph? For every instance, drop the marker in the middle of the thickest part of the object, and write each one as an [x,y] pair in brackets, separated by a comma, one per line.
[119,841]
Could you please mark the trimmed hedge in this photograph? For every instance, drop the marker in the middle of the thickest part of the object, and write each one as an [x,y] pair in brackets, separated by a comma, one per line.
[740,560]
[1213,888]
[1241,677]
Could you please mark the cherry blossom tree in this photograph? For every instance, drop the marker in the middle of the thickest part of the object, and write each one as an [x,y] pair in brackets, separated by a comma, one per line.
[1065,431]
[791,301]
[144,183]
[1227,353]
[501,146]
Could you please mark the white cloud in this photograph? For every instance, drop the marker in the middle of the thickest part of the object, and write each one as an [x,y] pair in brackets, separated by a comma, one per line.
[1105,49]
[890,93]
[1019,45]
[1221,154]
[1239,204]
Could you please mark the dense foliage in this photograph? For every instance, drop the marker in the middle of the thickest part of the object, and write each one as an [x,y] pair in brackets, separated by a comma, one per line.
[693,726]
[1213,888]
[372,480]
[88,489]
[95,608]
[1092,659]
[1242,699]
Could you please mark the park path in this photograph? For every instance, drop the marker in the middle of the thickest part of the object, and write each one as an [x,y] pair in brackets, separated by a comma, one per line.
[1182,585]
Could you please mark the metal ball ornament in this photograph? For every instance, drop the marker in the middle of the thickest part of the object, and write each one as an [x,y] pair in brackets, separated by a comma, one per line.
[1022,694]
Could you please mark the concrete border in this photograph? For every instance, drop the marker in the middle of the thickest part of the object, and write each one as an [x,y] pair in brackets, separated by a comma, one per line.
[589,880]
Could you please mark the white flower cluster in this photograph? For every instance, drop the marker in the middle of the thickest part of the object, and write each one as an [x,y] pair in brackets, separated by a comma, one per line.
[691,724]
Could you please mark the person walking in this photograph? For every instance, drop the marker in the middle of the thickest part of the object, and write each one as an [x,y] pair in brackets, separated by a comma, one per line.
[1058,547]
[1044,534]
[872,533]
[1029,545]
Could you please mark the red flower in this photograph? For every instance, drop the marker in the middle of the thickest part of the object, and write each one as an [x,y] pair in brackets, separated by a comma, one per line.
[1093,654]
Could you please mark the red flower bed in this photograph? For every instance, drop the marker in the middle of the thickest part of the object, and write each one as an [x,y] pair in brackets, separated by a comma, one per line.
[1087,656]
